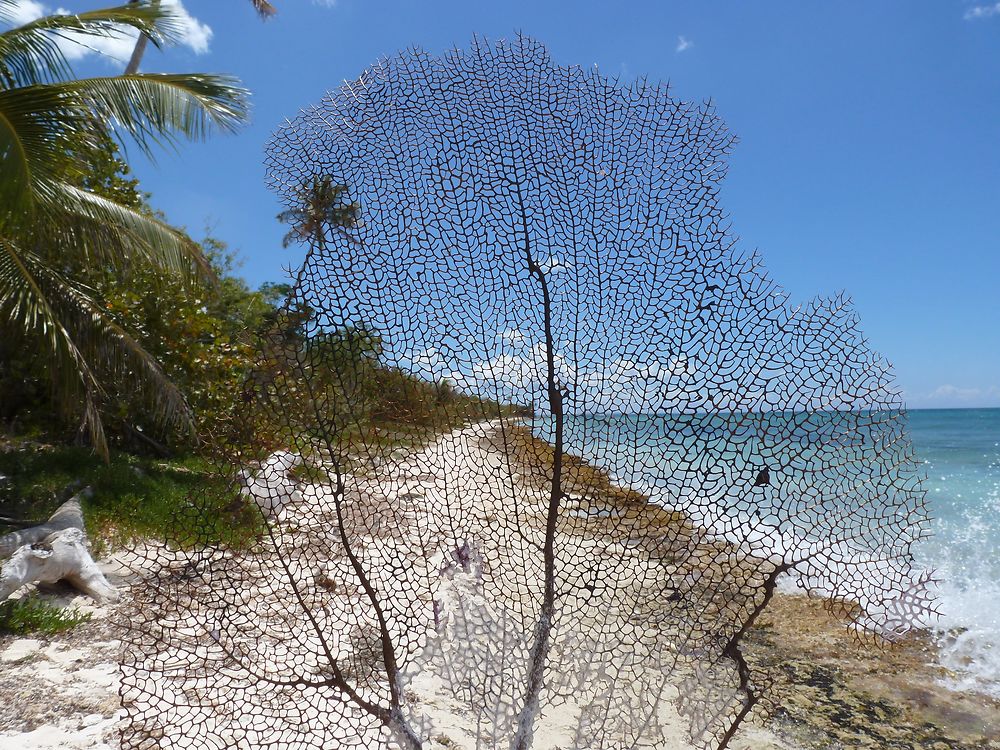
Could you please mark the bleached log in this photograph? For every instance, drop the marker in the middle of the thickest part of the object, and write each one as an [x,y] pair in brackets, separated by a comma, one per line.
[69,515]
[53,551]
[62,556]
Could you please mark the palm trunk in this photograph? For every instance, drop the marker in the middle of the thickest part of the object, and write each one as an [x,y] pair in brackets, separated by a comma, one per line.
[139,50]
[263,8]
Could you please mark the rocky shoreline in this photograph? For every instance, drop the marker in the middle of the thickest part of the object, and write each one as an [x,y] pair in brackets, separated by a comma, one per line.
[836,693]
[833,691]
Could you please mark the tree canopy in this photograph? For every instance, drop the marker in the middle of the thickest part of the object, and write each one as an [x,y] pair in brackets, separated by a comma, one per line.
[54,224]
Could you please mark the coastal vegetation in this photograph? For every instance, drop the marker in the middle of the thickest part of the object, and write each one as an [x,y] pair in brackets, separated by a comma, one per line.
[57,231]
[120,334]
[126,343]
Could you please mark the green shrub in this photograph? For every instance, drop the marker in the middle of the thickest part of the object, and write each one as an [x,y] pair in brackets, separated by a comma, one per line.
[133,497]
[31,615]
[400,397]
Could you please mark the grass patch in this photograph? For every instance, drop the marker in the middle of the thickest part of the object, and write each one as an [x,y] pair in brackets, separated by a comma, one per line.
[30,615]
[373,441]
[182,499]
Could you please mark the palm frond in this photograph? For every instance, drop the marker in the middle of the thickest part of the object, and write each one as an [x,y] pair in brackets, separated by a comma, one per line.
[33,52]
[118,358]
[84,342]
[159,108]
[38,125]
[28,57]
[23,298]
[264,9]
[322,205]
[109,233]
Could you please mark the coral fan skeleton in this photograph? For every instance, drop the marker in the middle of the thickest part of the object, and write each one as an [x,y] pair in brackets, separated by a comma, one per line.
[548,236]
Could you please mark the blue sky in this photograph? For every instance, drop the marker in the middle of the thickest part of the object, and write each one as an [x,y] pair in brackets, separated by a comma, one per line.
[869,155]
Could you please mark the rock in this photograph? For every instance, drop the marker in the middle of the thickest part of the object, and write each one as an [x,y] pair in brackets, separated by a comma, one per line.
[90,720]
[20,649]
[272,486]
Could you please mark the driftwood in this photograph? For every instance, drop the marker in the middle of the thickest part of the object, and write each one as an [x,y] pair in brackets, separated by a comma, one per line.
[67,516]
[15,522]
[53,551]
[272,487]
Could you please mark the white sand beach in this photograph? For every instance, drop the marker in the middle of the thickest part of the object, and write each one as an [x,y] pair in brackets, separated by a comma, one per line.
[62,691]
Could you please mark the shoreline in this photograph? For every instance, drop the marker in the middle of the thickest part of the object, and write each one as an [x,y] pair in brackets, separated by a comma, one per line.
[835,688]
[856,697]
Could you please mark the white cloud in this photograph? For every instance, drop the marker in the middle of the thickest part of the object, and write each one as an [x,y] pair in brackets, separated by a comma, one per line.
[24,11]
[115,48]
[194,34]
[522,372]
[982,11]
[956,394]
[683,44]
[554,264]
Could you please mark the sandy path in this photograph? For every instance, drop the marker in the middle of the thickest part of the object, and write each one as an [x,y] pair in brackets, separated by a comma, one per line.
[468,488]
[61,692]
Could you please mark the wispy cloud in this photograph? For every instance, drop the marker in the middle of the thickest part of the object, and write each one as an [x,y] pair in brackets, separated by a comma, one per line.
[960,395]
[683,44]
[116,48]
[982,11]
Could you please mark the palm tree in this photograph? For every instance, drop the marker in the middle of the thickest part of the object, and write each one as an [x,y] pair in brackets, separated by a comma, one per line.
[49,226]
[264,10]
[322,204]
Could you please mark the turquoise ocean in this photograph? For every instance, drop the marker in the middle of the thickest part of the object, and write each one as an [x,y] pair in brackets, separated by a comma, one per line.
[960,450]
[959,457]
